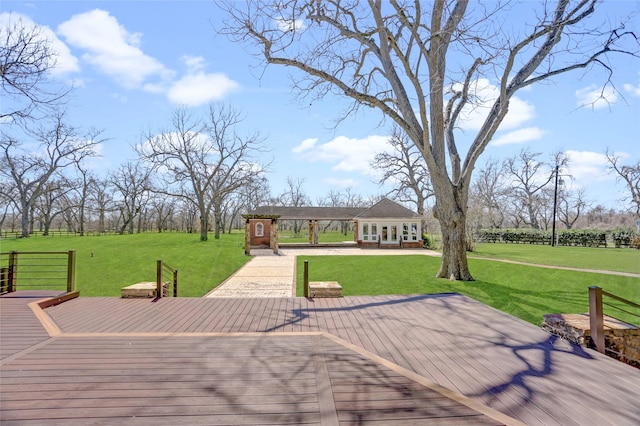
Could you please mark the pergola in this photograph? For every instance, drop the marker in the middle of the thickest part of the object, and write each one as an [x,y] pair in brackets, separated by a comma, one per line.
[311,214]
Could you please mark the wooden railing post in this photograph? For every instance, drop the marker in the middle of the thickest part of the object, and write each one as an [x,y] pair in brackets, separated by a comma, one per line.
[13,272]
[71,271]
[175,283]
[4,280]
[596,317]
[159,278]
[306,278]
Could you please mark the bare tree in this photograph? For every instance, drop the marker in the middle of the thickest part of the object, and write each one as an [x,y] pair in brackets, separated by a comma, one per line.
[164,210]
[26,60]
[419,65]
[52,202]
[101,200]
[295,196]
[404,167]
[131,183]
[204,161]
[491,193]
[529,177]
[60,147]
[571,206]
[630,175]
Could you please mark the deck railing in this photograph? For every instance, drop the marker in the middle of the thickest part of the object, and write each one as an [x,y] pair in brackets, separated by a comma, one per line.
[596,313]
[162,270]
[37,270]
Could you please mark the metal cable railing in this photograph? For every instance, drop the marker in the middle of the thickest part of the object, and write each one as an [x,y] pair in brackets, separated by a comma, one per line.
[37,271]
[166,280]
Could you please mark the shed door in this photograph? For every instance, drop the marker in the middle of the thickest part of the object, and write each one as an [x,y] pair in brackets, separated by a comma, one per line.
[389,234]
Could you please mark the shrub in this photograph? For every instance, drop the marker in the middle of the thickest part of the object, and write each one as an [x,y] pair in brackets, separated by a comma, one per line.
[582,237]
[622,236]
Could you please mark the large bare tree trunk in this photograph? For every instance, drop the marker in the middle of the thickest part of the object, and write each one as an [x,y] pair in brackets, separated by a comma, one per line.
[204,225]
[451,214]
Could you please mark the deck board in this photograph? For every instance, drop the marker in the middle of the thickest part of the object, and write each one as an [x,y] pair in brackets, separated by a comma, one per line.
[449,339]
[270,378]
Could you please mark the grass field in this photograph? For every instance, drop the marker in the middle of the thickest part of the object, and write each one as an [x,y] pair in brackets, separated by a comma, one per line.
[105,264]
[323,237]
[608,259]
[527,292]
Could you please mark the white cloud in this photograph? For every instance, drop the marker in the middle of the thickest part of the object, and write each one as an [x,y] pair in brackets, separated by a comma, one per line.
[197,87]
[305,145]
[596,97]
[348,154]
[65,61]
[286,25]
[473,116]
[200,88]
[519,136]
[111,48]
[587,167]
[634,90]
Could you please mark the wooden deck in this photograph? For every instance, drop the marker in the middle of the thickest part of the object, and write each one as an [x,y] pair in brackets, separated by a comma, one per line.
[353,360]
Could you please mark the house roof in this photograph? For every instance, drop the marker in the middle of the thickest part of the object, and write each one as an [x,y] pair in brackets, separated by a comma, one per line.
[387,209]
[384,209]
[307,213]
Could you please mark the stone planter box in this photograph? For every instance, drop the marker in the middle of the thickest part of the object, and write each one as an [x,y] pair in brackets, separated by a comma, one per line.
[325,289]
[147,289]
[622,340]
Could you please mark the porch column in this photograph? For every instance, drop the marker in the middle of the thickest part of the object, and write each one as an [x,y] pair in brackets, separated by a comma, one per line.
[310,232]
[247,238]
[316,225]
[274,235]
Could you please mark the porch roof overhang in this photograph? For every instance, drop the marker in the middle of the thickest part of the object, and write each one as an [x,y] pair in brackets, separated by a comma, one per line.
[305,213]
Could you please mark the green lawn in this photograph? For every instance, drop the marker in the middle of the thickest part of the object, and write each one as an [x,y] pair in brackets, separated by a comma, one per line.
[105,264]
[609,259]
[323,237]
[526,292]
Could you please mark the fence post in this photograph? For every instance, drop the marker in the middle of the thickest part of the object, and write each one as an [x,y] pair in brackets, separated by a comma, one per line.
[306,278]
[596,317]
[175,283]
[13,272]
[71,271]
[159,278]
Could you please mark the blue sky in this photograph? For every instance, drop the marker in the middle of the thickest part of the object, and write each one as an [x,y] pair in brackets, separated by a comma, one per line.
[134,62]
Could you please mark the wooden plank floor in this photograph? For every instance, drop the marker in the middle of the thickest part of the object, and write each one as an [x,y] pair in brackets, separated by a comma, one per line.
[448,339]
[19,327]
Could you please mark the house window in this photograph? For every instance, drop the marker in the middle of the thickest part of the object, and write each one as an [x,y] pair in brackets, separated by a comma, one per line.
[410,231]
[259,229]
[374,232]
[365,232]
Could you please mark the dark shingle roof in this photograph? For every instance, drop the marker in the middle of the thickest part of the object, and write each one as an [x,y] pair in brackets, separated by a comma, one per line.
[306,213]
[387,209]
[384,209]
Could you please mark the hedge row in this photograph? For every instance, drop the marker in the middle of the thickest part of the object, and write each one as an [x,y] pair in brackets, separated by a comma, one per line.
[566,237]
[625,237]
